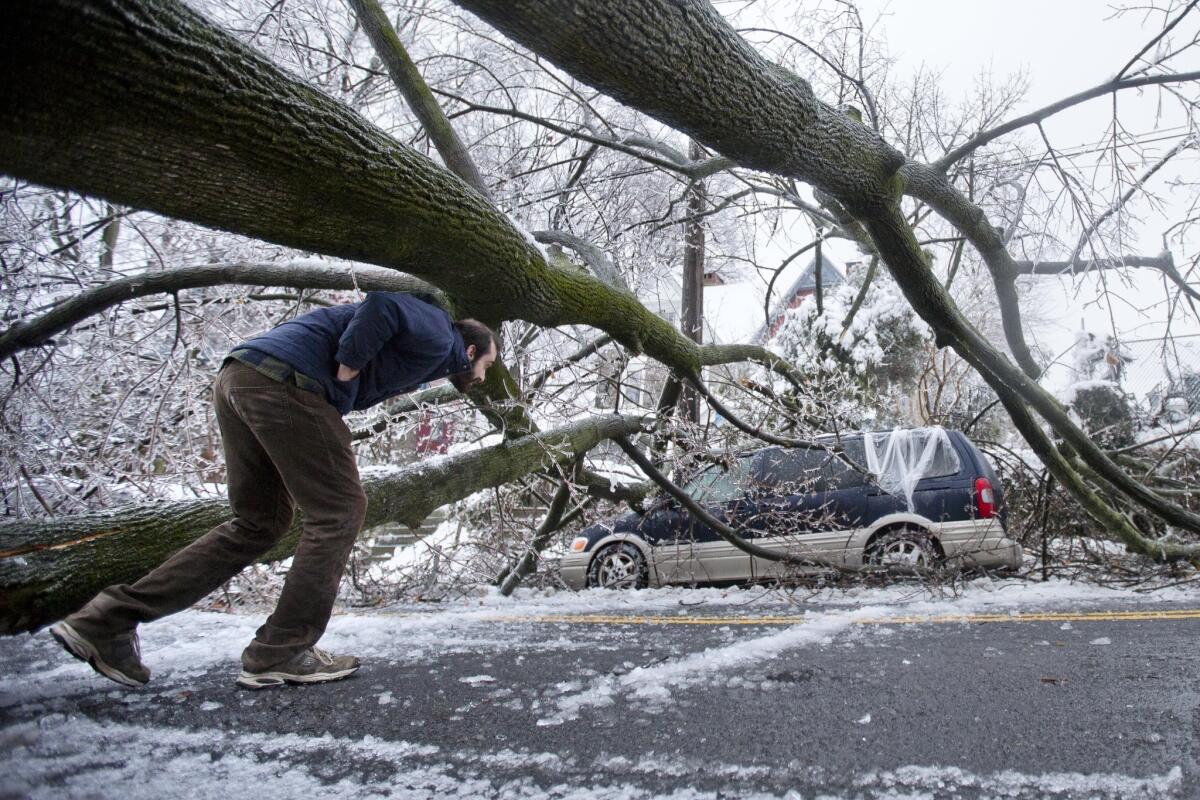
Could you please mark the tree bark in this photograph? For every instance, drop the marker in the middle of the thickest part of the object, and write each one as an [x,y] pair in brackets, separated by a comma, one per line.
[49,568]
[147,104]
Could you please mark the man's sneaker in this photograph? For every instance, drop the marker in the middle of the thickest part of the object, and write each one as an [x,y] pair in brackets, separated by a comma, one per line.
[313,665]
[116,657]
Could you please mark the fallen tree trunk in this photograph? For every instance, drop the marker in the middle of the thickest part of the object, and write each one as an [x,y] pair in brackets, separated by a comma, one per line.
[49,568]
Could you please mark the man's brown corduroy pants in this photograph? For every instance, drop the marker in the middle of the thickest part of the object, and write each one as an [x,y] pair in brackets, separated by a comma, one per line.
[284,447]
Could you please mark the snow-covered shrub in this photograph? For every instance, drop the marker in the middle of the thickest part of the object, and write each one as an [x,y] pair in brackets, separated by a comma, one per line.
[879,350]
[1103,408]
[1106,413]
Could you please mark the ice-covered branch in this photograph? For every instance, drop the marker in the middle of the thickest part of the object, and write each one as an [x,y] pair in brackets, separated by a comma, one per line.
[980,139]
[295,274]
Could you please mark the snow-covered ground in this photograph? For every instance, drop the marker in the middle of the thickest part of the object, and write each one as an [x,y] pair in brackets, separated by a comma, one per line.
[49,747]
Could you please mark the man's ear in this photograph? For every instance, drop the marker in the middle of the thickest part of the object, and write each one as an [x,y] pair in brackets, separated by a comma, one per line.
[470,351]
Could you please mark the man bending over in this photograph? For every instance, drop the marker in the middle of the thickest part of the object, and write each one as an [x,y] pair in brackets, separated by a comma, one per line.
[279,400]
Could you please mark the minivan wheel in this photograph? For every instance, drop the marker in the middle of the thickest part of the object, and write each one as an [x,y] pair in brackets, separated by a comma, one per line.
[903,547]
[619,565]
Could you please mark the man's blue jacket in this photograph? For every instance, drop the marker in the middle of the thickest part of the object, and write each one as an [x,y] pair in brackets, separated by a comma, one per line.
[397,341]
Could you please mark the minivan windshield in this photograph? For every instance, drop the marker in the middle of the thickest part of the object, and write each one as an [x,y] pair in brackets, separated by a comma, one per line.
[718,484]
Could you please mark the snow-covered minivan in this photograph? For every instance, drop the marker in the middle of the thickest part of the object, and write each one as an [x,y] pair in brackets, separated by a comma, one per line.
[918,497]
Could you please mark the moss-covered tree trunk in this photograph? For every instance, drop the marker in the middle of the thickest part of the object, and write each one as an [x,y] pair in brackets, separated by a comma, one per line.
[147,104]
[49,568]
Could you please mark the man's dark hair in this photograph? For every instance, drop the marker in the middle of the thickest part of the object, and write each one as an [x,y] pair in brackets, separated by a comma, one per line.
[476,333]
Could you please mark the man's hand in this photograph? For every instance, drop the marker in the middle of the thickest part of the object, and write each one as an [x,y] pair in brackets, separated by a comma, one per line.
[344,373]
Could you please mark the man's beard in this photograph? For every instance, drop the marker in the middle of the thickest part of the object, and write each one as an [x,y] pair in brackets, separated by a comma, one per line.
[462,380]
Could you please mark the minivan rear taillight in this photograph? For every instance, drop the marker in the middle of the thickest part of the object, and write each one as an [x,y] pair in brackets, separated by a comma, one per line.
[985,498]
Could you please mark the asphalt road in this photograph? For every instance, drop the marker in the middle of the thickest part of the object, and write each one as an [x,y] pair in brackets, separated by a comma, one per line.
[723,703]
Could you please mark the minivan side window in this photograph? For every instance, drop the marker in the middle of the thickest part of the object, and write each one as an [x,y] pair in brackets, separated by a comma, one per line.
[839,474]
[779,471]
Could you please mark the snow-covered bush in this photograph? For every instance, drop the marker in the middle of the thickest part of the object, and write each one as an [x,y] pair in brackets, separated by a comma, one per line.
[1096,398]
[1106,413]
[878,350]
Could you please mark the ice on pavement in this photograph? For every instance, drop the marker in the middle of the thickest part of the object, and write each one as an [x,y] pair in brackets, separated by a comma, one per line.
[150,762]
[191,643]
[144,762]
[477,680]
[1010,783]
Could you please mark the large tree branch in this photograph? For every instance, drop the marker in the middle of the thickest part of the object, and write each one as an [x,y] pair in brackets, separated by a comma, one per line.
[420,99]
[50,568]
[736,103]
[195,125]
[646,54]
[296,275]
[932,187]
[769,118]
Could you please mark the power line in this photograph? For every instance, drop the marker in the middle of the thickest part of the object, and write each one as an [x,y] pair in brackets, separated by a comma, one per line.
[1150,137]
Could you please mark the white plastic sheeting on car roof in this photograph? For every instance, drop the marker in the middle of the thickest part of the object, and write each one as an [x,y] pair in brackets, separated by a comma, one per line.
[899,459]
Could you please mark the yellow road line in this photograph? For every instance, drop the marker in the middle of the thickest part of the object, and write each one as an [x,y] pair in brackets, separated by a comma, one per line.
[1035,616]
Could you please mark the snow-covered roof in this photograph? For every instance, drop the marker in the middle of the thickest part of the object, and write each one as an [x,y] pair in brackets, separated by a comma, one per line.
[732,312]
[831,275]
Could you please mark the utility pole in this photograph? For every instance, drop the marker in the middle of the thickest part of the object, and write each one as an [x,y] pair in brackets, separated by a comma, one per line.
[691,323]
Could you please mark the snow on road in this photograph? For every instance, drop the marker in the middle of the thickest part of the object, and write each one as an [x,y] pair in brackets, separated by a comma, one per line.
[48,751]
[137,762]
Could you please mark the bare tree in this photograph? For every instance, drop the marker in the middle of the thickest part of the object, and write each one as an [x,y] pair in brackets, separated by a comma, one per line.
[270,157]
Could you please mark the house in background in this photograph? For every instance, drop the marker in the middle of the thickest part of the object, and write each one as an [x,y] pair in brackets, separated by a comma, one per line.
[802,288]
[734,313]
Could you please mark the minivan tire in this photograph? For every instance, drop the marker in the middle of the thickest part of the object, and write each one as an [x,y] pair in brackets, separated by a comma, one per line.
[903,547]
[619,565]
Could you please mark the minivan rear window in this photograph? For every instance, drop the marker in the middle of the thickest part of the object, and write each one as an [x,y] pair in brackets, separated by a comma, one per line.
[902,458]
[913,447]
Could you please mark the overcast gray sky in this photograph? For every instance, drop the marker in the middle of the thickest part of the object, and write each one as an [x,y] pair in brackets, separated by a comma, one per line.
[1063,46]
